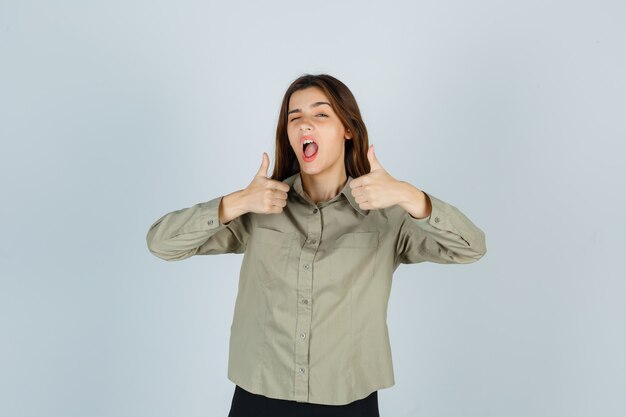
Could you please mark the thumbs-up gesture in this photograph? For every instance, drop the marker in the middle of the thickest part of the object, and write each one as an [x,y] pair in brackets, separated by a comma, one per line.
[264,195]
[377,189]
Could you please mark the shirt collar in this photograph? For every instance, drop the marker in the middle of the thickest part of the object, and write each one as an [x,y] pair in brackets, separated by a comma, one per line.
[295,181]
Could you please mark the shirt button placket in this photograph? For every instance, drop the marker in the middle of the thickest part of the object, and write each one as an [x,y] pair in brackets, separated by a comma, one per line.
[305,289]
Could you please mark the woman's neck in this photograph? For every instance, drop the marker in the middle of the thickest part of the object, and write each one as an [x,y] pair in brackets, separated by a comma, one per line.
[323,186]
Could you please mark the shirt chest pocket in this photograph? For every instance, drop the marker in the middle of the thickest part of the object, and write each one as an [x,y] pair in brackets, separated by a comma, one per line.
[353,257]
[269,252]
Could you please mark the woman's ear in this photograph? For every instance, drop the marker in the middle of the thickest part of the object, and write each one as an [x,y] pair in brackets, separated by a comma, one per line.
[348,134]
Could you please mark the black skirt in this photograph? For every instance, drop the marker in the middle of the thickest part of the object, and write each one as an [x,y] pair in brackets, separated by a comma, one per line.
[247,404]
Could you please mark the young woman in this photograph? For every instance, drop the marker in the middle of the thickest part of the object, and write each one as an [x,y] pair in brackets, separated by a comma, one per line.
[321,239]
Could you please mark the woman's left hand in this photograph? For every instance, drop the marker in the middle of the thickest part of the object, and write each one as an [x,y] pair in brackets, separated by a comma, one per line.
[378,190]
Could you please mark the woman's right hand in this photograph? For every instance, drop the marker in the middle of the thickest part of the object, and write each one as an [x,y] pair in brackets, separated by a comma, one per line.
[264,195]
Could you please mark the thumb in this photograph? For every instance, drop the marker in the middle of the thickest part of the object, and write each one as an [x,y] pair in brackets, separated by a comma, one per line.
[371,157]
[264,166]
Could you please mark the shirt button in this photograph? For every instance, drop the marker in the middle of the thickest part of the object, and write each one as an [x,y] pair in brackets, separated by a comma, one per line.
[210,221]
[302,335]
[436,219]
[306,266]
[313,242]
[314,210]
[305,301]
[301,370]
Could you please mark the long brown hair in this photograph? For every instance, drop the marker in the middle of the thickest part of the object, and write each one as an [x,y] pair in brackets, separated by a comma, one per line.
[344,104]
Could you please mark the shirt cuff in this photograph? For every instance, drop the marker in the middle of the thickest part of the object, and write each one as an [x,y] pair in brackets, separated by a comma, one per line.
[439,217]
[207,217]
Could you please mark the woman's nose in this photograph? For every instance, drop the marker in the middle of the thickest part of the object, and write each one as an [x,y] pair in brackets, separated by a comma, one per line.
[304,122]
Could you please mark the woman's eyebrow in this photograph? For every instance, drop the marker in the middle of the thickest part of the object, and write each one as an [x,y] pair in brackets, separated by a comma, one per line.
[317,103]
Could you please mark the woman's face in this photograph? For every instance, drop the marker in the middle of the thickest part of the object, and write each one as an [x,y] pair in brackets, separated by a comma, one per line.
[307,118]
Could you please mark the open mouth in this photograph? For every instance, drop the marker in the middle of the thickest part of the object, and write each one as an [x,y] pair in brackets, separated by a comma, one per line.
[309,149]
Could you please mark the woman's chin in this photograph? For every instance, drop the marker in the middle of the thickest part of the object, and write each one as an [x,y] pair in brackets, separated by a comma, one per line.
[310,169]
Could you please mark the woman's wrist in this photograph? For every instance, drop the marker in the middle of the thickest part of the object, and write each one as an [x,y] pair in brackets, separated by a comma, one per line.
[415,201]
[231,206]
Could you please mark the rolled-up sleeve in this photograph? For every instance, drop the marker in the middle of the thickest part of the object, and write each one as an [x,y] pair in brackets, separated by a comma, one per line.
[197,230]
[446,236]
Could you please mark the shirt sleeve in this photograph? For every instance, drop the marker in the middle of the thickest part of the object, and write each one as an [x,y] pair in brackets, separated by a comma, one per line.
[197,230]
[446,236]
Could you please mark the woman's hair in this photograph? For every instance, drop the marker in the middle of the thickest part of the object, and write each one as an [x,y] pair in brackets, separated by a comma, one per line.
[345,106]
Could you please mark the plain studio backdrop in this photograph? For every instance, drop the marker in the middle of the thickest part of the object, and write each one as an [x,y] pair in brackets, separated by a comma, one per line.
[115,113]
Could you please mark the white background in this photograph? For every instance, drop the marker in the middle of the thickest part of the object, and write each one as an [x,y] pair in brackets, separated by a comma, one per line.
[115,113]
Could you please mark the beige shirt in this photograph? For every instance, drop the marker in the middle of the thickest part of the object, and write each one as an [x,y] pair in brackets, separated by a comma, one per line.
[309,323]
